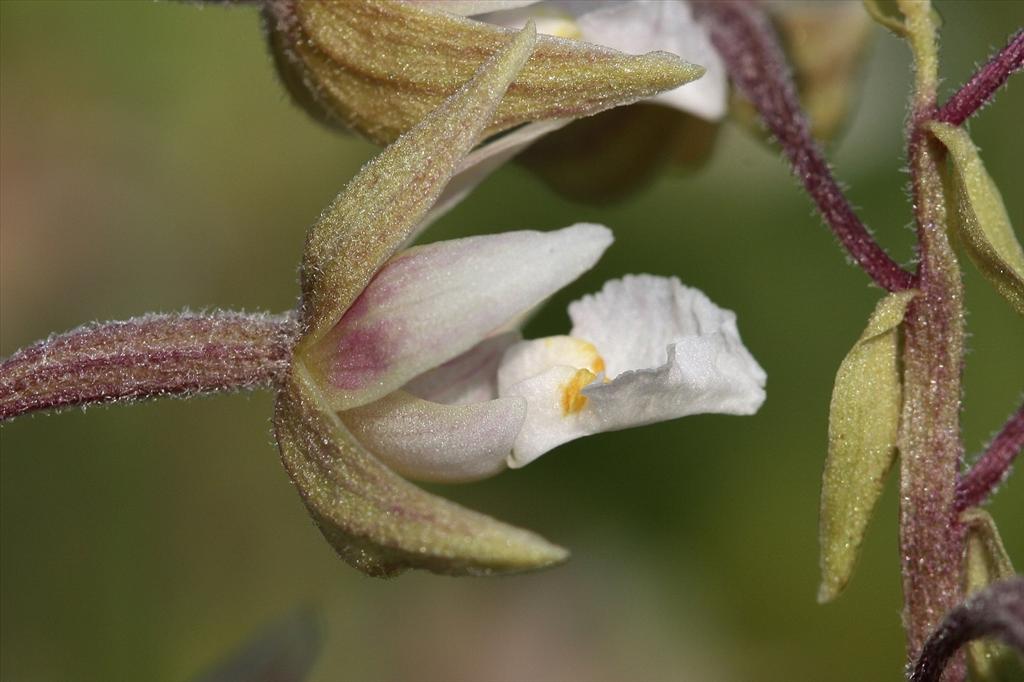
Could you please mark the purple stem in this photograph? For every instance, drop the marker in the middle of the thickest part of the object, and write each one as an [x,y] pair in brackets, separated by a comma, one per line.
[990,470]
[982,87]
[145,357]
[996,612]
[741,34]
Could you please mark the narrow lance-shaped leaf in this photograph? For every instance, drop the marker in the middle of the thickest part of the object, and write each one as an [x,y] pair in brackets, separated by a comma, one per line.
[980,218]
[379,66]
[986,562]
[374,519]
[862,431]
[381,206]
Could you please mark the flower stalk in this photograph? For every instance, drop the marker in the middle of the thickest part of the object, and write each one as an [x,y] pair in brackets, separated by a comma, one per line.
[151,356]
[989,471]
[982,87]
[743,37]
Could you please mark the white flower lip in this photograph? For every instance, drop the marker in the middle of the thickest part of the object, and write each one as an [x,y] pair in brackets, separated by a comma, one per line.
[666,351]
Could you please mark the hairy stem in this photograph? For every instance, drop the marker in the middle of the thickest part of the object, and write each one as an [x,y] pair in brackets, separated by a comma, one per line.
[146,357]
[931,540]
[931,545]
[982,87]
[741,34]
[993,466]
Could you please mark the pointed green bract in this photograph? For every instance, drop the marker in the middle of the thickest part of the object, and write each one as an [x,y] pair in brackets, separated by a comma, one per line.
[985,562]
[862,431]
[380,66]
[980,218]
[381,206]
[376,520]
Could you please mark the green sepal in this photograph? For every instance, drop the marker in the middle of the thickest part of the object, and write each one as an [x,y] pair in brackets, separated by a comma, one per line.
[862,431]
[980,221]
[379,66]
[986,562]
[377,521]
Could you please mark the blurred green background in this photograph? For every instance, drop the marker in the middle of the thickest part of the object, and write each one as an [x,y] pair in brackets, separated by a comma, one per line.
[151,162]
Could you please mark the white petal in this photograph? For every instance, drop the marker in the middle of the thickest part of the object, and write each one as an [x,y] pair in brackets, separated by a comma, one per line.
[670,351]
[431,303]
[480,163]
[641,26]
[469,378]
[427,441]
[633,319]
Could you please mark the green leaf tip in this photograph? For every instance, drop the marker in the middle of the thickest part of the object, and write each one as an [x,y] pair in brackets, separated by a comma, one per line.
[979,219]
[862,431]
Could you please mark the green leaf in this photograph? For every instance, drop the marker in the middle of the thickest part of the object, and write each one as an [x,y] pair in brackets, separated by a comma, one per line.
[862,430]
[980,220]
[375,214]
[376,520]
[986,562]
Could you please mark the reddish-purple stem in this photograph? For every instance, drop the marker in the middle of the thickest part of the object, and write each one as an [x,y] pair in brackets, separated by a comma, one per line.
[145,357]
[743,37]
[982,87]
[993,466]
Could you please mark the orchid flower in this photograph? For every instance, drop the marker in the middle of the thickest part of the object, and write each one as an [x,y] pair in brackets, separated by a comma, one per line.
[427,375]
[410,364]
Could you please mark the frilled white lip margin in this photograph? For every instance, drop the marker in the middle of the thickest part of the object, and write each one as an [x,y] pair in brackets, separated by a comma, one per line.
[429,372]
[644,349]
